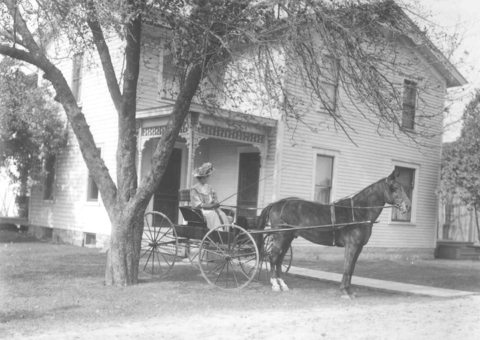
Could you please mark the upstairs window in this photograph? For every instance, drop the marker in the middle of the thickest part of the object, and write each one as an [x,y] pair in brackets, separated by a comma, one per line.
[409,104]
[323,179]
[50,178]
[330,82]
[407,181]
[77,76]
[92,189]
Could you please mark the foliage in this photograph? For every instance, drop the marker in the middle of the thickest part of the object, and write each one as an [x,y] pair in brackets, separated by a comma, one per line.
[461,161]
[31,127]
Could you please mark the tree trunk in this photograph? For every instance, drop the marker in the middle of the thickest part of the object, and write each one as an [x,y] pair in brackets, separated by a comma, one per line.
[125,246]
[476,221]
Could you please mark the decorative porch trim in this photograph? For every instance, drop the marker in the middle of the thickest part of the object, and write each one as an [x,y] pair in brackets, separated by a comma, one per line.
[208,130]
[157,131]
[218,131]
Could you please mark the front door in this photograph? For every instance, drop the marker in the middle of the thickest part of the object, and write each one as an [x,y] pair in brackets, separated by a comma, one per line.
[165,199]
[248,177]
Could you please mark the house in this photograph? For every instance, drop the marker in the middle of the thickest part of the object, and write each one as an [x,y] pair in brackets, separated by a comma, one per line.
[258,159]
[459,230]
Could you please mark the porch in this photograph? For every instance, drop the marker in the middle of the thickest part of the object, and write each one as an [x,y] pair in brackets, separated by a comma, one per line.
[236,144]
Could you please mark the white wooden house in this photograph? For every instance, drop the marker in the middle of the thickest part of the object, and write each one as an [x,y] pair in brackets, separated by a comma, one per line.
[263,159]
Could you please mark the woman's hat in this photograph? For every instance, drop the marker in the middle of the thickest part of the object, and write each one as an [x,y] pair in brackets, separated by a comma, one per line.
[203,171]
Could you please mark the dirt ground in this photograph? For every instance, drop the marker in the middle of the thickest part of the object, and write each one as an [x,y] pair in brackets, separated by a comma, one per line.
[51,291]
[430,319]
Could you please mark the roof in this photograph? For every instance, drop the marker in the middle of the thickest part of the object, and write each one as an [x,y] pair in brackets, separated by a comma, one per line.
[408,29]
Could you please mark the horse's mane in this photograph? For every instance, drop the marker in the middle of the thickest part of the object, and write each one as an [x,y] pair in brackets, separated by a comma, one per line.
[300,199]
[364,194]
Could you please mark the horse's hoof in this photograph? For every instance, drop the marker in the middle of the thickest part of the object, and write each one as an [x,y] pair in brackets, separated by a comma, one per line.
[276,288]
[348,296]
[284,288]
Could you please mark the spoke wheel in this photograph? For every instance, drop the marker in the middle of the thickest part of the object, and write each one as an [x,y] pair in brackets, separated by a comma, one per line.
[223,255]
[159,245]
[263,273]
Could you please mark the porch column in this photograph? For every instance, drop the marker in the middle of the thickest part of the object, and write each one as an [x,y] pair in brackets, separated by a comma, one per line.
[139,156]
[192,146]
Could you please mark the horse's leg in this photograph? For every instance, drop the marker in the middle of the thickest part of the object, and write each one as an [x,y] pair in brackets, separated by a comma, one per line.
[357,254]
[278,269]
[273,257]
[352,251]
[279,249]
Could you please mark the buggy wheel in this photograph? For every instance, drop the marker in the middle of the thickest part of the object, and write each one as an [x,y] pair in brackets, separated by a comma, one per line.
[223,254]
[159,245]
[263,273]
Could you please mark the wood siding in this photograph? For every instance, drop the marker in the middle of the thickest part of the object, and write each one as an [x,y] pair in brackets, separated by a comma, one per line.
[70,209]
[374,157]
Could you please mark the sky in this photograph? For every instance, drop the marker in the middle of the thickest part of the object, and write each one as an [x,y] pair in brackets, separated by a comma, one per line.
[463,17]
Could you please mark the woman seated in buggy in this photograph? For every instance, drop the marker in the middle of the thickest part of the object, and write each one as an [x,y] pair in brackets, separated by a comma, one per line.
[203,197]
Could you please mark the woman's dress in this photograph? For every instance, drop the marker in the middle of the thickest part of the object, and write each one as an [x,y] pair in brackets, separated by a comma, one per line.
[204,194]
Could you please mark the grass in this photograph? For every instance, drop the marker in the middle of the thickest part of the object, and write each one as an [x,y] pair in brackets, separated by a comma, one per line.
[45,286]
[450,274]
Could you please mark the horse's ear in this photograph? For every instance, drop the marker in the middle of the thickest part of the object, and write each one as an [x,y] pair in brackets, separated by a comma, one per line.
[393,176]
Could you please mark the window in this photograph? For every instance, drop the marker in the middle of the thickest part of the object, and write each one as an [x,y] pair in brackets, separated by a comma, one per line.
[77,76]
[407,180]
[50,178]
[90,239]
[323,179]
[169,76]
[330,82]
[409,104]
[92,189]
[449,211]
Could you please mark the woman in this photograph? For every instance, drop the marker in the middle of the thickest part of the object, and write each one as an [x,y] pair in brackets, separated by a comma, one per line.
[203,197]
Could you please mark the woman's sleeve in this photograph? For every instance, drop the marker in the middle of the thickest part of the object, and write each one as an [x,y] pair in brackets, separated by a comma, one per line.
[195,199]
[214,196]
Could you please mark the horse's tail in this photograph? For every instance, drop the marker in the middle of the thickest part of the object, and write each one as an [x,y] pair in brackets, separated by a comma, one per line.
[261,224]
[263,218]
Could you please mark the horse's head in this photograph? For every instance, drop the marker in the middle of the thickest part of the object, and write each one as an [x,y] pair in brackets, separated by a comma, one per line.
[395,195]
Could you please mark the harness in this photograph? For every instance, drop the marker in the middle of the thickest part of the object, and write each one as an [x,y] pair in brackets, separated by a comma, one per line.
[332,216]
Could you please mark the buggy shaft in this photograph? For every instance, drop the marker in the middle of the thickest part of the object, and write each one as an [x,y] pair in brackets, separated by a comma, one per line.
[295,228]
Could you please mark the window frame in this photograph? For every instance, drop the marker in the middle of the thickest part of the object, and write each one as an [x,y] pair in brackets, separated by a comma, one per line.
[335,159]
[329,65]
[91,184]
[334,81]
[414,199]
[49,181]
[77,77]
[409,105]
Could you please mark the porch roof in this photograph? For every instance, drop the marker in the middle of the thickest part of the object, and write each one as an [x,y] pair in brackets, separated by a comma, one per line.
[221,115]
[223,124]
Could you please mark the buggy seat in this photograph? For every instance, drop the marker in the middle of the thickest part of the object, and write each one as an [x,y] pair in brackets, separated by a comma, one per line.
[193,216]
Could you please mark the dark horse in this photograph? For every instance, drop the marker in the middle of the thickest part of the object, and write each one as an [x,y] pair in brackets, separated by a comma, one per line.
[364,207]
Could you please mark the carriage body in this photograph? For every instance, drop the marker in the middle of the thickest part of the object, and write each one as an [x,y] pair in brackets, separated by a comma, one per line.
[228,256]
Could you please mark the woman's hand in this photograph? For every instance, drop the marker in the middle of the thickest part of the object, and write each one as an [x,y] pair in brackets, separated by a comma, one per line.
[212,205]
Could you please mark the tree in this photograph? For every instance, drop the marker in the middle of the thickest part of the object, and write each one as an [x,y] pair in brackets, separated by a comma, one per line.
[461,161]
[31,128]
[228,53]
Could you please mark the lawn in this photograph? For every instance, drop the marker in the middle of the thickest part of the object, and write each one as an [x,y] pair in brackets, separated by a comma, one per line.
[451,274]
[49,287]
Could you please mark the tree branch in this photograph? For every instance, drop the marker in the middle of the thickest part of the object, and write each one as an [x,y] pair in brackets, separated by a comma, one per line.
[104,54]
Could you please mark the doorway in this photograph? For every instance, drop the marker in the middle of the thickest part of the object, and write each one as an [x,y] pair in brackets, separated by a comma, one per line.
[165,199]
[248,177]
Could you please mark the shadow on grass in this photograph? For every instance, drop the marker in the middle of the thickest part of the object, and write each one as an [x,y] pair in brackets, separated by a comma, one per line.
[10,235]
[26,315]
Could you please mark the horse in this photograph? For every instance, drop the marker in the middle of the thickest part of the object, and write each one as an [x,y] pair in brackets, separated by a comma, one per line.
[341,220]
